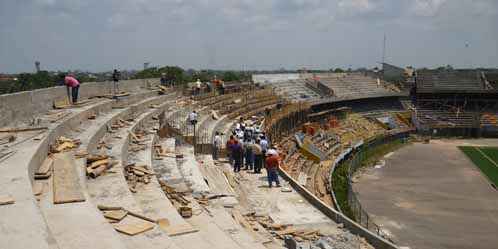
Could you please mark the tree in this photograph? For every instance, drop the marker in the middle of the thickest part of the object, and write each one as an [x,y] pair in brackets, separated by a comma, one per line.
[231,76]
[338,70]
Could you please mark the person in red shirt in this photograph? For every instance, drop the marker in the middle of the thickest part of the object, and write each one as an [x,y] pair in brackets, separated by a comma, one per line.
[272,163]
[229,147]
[72,83]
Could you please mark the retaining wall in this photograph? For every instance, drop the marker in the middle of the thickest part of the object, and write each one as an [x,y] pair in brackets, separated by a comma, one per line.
[353,227]
[23,106]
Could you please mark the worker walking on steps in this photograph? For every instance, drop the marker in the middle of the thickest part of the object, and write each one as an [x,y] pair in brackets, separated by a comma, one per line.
[258,157]
[229,147]
[272,164]
[237,154]
[116,75]
[216,145]
[72,83]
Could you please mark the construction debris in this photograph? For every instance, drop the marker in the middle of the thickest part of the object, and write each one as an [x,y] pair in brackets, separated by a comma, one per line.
[135,174]
[135,228]
[162,89]
[6,200]
[7,139]
[116,215]
[23,129]
[64,144]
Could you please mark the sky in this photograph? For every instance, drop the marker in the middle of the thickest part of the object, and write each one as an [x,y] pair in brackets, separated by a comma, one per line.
[99,35]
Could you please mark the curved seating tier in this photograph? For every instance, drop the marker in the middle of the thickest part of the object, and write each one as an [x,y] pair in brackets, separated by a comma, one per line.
[17,175]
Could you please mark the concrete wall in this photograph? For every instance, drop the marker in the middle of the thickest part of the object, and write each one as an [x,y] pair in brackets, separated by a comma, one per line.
[24,106]
[353,227]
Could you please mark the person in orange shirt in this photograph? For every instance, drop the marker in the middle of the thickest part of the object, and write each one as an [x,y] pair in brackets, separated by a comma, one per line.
[272,164]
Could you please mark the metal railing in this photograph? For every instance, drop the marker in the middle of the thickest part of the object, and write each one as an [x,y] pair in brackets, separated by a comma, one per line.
[354,163]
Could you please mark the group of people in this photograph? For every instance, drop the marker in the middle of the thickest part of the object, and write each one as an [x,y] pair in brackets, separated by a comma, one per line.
[73,85]
[208,87]
[166,80]
[249,149]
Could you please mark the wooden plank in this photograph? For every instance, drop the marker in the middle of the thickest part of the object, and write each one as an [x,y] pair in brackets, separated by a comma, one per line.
[45,167]
[65,181]
[179,229]
[134,228]
[6,200]
[23,129]
[237,216]
[115,214]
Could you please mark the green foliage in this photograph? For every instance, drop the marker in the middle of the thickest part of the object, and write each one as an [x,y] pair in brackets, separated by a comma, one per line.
[338,70]
[340,175]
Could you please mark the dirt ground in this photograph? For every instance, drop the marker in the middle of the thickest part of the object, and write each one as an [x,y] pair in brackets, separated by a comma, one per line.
[432,196]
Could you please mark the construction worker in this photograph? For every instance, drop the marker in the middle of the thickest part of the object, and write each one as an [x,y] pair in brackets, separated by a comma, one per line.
[237,154]
[116,75]
[216,145]
[192,118]
[72,83]
[258,157]
[272,164]
[229,147]
[163,79]
[248,155]
[198,87]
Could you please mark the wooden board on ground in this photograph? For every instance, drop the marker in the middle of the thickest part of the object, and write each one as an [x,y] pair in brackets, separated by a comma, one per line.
[6,200]
[179,229]
[66,183]
[115,214]
[237,216]
[23,129]
[134,228]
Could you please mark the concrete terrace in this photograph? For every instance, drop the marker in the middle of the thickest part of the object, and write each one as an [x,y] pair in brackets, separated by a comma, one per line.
[129,131]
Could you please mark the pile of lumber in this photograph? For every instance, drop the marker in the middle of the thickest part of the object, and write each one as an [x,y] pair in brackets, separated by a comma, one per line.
[102,144]
[64,144]
[178,199]
[162,89]
[135,174]
[138,137]
[115,215]
[280,230]
[97,165]
[53,117]
[120,123]
[160,153]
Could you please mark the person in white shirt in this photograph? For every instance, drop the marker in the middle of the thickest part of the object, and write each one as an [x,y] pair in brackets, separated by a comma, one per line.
[216,145]
[198,87]
[192,117]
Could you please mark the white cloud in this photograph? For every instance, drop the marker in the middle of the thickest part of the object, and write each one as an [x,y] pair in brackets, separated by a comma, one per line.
[355,6]
[426,7]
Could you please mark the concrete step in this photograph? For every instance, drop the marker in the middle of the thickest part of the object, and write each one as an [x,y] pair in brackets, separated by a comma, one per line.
[16,172]
[91,224]
[113,190]
[209,231]
[77,225]
[155,204]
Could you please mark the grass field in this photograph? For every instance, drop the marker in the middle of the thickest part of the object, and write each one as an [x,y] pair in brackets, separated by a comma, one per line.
[486,159]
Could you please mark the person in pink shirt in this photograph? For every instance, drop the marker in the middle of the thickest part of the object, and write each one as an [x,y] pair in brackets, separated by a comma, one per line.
[71,82]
